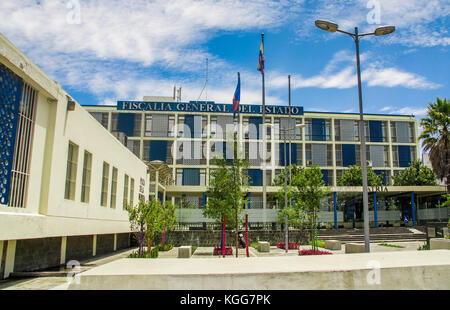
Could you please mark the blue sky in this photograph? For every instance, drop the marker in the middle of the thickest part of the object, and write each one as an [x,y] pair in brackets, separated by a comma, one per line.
[104,51]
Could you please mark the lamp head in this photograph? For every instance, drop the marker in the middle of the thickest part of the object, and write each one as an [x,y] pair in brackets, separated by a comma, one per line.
[381,31]
[326,25]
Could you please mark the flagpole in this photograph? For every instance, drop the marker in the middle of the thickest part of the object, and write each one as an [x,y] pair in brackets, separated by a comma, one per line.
[264,135]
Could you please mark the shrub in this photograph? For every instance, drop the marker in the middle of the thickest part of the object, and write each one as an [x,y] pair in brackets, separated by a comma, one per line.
[154,253]
[311,252]
[291,246]
[218,250]
[165,248]
[319,243]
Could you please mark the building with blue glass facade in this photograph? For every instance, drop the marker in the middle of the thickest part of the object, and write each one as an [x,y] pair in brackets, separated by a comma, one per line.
[188,135]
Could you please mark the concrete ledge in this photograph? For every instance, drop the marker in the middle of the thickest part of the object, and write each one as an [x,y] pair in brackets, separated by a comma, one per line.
[332,244]
[380,270]
[185,251]
[355,248]
[263,246]
[439,244]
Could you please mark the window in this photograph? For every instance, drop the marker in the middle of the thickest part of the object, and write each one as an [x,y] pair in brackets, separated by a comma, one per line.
[268,128]
[298,131]
[171,126]
[86,180]
[204,126]
[148,125]
[102,118]
[180,126]
[105,181]
[126,182]
[202,177]
[71,172]
[277,128]
[131,192]
[179,176]
[113,188]
[213,126]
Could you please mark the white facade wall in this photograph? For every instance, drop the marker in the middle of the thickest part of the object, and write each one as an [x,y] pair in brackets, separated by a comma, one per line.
[47,212]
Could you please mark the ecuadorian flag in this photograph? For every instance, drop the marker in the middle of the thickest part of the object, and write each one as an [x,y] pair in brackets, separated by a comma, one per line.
[237,96]
[261,59]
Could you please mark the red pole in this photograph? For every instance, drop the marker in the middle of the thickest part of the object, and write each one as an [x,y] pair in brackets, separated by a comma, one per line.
[223,237]
[246,234]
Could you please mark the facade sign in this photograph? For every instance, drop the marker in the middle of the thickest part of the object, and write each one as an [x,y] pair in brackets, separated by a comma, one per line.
[204,106]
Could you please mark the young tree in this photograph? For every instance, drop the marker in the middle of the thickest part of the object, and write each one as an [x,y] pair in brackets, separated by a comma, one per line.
[146,220]
[353,177]
[305,192]
[154,221]
[227,190]
[435,138]
[169,218]
[415,175]
[137,215]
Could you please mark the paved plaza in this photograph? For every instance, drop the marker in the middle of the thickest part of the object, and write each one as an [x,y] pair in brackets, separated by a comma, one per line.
[202,254]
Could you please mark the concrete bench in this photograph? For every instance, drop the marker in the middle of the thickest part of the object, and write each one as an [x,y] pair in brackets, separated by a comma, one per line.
[355,248]
[263,246]
[332,244]
[439,244]
[184,251]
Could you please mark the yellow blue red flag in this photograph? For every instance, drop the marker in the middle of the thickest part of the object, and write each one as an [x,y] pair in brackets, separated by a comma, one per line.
[261,59]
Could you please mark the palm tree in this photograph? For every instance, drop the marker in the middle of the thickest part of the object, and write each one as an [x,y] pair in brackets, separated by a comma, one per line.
[436,137]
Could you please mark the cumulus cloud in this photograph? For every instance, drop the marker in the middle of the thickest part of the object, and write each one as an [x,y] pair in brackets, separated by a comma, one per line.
[340,73]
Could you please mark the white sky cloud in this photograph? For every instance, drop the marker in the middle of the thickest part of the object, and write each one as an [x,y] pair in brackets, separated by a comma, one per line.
[340,73]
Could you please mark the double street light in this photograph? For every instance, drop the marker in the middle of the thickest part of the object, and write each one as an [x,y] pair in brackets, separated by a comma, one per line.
[381,31]
[285,130]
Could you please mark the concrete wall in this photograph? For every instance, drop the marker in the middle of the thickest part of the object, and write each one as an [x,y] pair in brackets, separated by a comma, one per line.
[213,238]
[37,254]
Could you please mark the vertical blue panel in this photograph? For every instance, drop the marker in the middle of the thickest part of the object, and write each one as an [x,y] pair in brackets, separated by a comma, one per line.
[375,215]
[293,154]
[10,97]
[413,207]
[404,155]
[189,122]
[282,162]
[375,131]
[249,203]
[257,122]
[318,129]
[191,176]
[125,123]
[335,210]
[158,150]
[160,197]
[255,177]
[325,176]
[348,155]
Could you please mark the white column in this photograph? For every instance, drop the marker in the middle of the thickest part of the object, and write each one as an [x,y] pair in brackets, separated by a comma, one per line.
[62,259]
[10,256]
[94,245]
[115,242]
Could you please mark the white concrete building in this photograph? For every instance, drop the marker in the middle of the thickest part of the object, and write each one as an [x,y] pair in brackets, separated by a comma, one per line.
[63,177]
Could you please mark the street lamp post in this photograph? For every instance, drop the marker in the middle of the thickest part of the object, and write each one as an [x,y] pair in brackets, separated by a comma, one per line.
[332,27]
